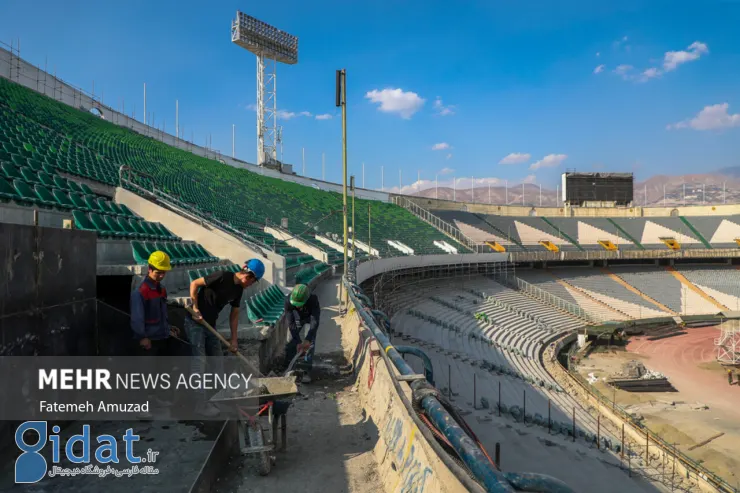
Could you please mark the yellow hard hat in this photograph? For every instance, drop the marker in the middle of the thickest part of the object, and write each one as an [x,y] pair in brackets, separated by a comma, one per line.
[160,261]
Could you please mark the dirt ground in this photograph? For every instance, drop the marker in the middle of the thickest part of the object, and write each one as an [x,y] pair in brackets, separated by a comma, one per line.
[330,444]
[703,406]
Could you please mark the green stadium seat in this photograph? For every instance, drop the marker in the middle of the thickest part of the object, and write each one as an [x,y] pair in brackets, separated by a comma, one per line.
[141,252]
[29,176]
[63,199]
[79,202]
[7,192]
[74,187]
[46,197]
[103,228]
[46,180]
[10,172]
[25,194]
[83,222]
[86,189]
[60,182]
[113,225]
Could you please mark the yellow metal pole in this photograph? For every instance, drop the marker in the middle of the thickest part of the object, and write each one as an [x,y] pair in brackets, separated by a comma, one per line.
[354,248]
[369,237]
[343,101]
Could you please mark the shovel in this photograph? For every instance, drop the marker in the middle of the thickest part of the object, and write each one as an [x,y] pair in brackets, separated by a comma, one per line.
[224,341]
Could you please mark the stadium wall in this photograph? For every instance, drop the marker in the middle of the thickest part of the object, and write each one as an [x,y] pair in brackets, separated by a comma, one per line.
[518,210]
[374,267]
[16,69]
[406,461]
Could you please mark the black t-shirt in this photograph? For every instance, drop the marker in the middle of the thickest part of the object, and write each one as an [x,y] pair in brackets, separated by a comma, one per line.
[219,290]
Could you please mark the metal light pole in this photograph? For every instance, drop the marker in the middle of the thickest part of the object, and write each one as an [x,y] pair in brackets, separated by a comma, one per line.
[271,46]
[341,95]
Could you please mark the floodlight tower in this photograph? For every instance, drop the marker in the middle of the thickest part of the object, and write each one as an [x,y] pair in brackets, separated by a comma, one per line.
[270,45]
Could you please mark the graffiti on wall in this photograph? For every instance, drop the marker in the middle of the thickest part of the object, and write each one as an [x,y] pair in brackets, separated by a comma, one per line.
[406,455]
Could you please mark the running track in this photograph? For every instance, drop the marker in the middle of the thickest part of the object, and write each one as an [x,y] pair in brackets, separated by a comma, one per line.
[678,358]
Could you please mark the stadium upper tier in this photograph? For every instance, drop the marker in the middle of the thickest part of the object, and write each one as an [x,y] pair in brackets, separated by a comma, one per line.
[602,233]
[36,130]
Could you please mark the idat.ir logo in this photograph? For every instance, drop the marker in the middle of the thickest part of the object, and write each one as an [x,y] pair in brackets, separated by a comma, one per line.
[31,466]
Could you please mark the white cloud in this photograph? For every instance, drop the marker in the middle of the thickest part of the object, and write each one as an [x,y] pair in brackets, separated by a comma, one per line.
[672,59]
[529,179]
[712,117]
[623,70]
[516,158]
[549,161]
[441,146]
[598,54]
[283,114]
[651,73]
[599,68]
[404,103]
[449,156]
[324,116]
[441,109]
[446,171]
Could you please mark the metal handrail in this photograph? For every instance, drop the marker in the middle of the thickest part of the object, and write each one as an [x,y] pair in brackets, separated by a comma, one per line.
[549,298]
[437,223]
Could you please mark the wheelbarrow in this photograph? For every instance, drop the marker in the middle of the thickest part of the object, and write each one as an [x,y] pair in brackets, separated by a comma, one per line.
[255,406]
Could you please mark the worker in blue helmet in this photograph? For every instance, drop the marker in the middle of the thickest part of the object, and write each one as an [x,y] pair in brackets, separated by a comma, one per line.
[209,295]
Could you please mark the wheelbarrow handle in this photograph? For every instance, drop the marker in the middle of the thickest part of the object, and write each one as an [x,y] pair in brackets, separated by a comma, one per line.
[224,341]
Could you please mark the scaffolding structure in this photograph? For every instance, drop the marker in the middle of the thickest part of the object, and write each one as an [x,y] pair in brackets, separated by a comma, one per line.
[728,343]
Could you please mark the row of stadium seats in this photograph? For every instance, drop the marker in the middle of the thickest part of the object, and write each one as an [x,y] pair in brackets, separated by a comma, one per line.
[266,306]
[198,273]
[305,276]
[121,227]
[180,253]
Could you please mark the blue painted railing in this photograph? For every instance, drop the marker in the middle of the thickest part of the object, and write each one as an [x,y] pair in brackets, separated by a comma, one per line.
[469,451]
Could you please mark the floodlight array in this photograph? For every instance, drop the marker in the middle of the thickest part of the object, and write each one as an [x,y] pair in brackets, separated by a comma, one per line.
[264,40]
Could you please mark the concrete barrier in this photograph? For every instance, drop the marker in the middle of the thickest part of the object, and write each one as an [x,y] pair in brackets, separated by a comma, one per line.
[406,461]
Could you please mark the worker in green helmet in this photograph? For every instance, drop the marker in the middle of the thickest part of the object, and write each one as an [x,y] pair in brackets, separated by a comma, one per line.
[302,311]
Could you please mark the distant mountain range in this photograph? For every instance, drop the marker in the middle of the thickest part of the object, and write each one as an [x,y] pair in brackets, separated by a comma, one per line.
[721,186]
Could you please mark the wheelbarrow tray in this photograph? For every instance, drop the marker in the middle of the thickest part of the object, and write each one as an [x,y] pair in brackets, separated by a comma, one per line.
[277,388]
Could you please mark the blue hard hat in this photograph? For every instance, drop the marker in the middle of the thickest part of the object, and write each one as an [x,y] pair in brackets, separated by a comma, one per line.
[256,267]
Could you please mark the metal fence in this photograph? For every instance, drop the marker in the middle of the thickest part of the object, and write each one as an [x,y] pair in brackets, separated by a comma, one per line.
[552,300]
[438,223]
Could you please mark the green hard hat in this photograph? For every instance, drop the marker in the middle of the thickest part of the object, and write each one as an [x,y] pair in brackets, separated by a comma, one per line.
[299,295]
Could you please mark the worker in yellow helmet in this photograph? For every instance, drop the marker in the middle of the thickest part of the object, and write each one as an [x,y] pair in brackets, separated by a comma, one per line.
[149,321]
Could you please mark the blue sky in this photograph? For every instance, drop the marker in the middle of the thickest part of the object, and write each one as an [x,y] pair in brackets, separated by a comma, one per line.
[513,78]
